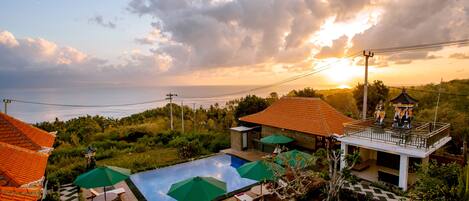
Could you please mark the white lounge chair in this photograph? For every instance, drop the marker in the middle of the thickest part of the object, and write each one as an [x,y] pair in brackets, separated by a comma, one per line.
[257,190]
[110,195]
[244,197]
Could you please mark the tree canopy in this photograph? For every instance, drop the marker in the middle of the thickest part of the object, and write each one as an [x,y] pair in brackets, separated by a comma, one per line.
[306,92]
[376,92]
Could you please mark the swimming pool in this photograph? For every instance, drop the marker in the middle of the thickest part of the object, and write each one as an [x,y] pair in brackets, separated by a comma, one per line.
[154,184]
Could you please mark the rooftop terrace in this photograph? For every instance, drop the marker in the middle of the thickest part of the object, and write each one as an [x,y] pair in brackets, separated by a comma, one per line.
[422,135]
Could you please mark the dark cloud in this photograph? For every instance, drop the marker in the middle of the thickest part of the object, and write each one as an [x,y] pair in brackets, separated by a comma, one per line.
[405,23]
[99,20]
[212,34]
[459,56]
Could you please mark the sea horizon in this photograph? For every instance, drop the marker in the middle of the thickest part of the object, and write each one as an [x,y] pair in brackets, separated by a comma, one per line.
[111,95]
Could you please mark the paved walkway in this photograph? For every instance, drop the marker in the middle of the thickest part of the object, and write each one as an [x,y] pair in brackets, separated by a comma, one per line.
[376,192]
[250,155]
[69,192]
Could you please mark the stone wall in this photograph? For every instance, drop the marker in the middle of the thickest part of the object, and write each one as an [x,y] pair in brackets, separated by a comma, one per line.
[236,140]
[304,140]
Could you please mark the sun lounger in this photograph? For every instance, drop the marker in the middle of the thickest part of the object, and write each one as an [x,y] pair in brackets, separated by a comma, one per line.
[243,197]
[110,195]
[257,190]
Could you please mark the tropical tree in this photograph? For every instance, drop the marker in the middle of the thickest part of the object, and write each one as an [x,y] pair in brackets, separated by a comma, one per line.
[338,176]
[298,178]
[376,92]
[306,92]
[250,105]
[438,182]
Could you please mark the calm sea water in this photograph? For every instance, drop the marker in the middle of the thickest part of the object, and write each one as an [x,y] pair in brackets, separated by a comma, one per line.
[113,95]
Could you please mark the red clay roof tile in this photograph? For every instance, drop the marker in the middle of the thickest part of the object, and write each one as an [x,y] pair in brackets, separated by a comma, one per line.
[20,194]
[20,166]
[18,133]
[307,115]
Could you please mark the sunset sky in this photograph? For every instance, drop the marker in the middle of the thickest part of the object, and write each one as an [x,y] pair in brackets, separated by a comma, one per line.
[49,43]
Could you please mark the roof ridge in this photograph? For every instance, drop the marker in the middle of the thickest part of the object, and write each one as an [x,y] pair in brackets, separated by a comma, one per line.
[300,97]
[23,149]
[323,118]
[12,123]
[13,127]
[27,124]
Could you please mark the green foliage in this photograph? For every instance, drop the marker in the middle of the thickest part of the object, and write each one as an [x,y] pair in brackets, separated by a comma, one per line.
[250,105]
[377,91]
[306,92]
[438,182]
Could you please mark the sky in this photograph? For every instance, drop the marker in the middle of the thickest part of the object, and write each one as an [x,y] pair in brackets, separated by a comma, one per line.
[48,43]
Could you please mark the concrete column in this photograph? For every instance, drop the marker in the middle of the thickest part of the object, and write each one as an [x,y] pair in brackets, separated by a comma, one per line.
[403,172]
[344,148]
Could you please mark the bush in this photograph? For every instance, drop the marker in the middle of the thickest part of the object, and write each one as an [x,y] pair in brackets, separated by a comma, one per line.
[186,148]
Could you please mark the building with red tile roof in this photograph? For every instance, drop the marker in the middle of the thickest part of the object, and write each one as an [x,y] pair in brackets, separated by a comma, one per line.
[18,133]
[307,115]
[310,121]
[24,150]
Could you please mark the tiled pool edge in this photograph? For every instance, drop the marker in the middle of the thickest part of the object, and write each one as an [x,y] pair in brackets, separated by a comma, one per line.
[135,190]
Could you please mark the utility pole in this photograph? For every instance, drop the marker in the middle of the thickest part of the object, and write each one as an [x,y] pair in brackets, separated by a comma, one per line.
[170,98]
[182,117]
[5,104]
[365,86]
[194,124]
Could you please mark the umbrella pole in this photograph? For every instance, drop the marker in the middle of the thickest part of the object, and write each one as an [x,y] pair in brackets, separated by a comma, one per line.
[105,193]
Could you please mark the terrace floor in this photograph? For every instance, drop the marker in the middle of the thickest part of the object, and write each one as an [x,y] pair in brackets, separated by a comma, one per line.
[371,173]
[250,155]
[127,196]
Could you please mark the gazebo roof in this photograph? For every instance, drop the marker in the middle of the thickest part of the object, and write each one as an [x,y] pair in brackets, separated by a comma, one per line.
[404,98]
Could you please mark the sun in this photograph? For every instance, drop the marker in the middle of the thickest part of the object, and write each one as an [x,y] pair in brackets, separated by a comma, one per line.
[341,71]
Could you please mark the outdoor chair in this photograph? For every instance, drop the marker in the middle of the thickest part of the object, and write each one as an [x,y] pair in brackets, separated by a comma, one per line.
[244,197]
[265,190]
[110,195]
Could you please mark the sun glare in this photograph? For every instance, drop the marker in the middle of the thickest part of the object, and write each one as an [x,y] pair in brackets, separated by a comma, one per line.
[342,71]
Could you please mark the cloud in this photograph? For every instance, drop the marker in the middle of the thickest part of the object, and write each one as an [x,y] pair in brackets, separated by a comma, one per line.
[218,34]
[405,23]
[99,20]
[154,37]
[38,53]
[459,56]
[336,50]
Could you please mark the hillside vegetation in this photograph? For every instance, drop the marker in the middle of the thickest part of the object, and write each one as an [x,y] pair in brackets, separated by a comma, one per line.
[144,141]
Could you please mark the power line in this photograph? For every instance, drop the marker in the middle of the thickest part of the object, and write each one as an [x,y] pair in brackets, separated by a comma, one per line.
[322,68]
[421,46]
[430,91]
[79,106]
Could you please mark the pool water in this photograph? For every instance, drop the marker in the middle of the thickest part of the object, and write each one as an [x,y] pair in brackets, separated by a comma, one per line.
[154,184]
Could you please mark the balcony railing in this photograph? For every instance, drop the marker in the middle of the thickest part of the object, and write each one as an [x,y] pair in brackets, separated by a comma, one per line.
[421,135]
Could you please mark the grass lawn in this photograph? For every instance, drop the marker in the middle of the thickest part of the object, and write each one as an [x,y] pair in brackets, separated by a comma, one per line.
[150,159]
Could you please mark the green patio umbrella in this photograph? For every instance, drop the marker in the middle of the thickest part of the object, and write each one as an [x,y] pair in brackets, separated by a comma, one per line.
[276,139]
[197,188]
[294,158]
[259,170]
[102,177]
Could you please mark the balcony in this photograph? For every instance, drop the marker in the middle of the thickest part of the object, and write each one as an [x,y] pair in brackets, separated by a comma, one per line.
[421,135]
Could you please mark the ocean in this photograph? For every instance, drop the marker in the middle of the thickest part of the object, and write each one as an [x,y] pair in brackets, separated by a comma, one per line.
[116,95]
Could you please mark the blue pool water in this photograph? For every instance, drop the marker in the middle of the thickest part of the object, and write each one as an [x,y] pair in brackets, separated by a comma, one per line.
[154,184]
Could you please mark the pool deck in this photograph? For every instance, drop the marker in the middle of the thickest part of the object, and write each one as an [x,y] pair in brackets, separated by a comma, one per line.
[250,155]
[127,196]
